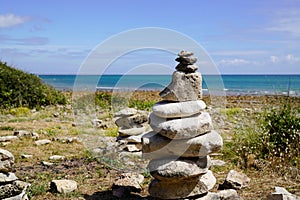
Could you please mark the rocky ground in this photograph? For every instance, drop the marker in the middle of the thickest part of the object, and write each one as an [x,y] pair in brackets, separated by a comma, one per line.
[61,135]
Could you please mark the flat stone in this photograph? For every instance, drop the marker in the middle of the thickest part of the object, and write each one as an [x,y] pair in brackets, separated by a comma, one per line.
[132,121]
[63,186]
[157,146]
[183,188]
[235,180]
[184,87]
[57,157]
[26,156]
[126,112]
[13,189]
[8,138]
[6,161]
[133,147]
[187,60]
[126,183]
[132,131]
[221,195]
[182,128]
[184,53]
[282,194]
[186,68]
[22,133]
[48,164]
[182,168]
[42,142]
[166,109]
[218,163]
[7,177]
[131,139]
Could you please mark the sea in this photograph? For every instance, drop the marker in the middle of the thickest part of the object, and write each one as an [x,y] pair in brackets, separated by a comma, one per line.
[230,84]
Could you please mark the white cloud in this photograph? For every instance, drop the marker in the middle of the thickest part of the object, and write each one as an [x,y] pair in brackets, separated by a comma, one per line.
[234,62]
[274,59]
[10,20]
[239,53]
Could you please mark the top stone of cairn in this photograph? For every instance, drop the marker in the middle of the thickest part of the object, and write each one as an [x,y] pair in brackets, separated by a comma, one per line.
[186,62]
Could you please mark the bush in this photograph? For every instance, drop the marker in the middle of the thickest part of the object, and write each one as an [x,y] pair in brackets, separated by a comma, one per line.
[20,89]
[275,137]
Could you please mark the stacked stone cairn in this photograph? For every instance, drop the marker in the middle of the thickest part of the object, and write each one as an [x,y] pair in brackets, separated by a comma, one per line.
[182,137]
[11,188]
[132,124]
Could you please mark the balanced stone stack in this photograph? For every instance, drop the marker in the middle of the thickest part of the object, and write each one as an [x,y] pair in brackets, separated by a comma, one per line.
[132,125]
[182,137]
[11,188]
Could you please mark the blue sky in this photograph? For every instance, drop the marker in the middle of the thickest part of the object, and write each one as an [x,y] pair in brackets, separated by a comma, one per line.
[242,37]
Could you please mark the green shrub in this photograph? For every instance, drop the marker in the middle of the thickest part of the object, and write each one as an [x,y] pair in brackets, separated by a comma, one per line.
[275,137]
[20,89]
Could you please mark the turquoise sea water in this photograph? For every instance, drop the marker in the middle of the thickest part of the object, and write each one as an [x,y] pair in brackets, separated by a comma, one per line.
[231,84]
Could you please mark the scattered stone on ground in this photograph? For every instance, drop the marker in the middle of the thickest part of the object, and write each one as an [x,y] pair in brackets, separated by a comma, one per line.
[235,180]
[8,138]
[282,194]
[26,156]
[127,183]
[42,142]
[63,186]
[57,157]
[48,164]
[24,133]
[11,188]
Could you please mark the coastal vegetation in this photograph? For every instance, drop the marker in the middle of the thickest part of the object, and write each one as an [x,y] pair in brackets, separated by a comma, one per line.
[20,89]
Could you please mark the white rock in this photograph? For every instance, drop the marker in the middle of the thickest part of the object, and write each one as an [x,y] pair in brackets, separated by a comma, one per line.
[63,186]
[26,156]
[48,164]
[157,146]
[7,177]
[218,162]
[173,170]
[132,131]
[8,138]
[282,194]
[182,128]
[57,157]
[182,189]
[184,87]
[42,142]
[235,180]
[133,147]
[126,112]
[166,109]
[6,161]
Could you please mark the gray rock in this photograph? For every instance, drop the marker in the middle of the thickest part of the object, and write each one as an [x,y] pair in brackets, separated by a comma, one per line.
[126,112]
[48,164]
[21,196]
[157,146]
[182,128]
[131,139]
[63,186]
[184,188]
[13,189]
[133,147]
[282,194]
[165,109]
[26,156]
[187,60]
[184,53]
[182,168]
[22,133]
[184,87]
[132,121]
[57,157]
[235,180]
[126,183]
[7,177]
[66,139]
[8,138]
[218,162]
[132,131]
[186,68]
[42,142]
[6,161]
[228,194]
